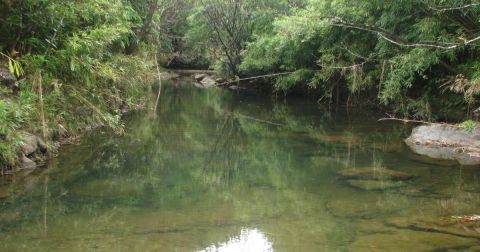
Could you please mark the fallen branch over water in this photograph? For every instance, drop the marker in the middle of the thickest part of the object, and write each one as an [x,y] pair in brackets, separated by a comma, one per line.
[253,78]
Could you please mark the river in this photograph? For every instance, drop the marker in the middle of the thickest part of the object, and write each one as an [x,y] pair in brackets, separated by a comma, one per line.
[216,170]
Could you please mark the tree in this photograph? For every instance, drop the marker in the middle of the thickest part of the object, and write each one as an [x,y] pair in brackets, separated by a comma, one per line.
[399,51]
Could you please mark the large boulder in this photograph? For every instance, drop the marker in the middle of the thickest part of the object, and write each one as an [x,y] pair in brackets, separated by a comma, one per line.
[446,142]
[30,144]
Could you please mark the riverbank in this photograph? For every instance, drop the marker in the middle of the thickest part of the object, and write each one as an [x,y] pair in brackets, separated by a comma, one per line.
[42,111]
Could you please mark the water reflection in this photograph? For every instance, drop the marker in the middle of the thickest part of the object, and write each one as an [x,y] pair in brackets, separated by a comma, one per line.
[209,165]
[252,240]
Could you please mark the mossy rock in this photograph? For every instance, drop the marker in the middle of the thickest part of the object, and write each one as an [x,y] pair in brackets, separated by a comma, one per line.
[372,173]
[375,185]
[366,206]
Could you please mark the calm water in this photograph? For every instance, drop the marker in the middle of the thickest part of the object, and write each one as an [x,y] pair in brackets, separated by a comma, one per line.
[219,171]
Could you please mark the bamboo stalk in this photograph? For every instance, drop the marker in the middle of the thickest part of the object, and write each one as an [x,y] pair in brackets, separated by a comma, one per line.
[42,113]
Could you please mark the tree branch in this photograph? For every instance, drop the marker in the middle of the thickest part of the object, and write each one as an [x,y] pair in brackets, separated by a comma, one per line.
[395,39]
[454,8]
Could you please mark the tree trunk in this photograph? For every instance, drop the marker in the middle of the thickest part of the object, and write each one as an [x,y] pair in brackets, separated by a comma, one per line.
[140,36]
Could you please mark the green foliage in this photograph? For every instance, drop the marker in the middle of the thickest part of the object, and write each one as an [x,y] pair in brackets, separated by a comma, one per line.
[14,66]
[469,125]
[219,31]
[11,119]
[397,50]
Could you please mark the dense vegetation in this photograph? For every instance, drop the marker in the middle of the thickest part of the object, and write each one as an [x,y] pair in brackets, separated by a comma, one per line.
[418,58]
[76,71]
[80,63]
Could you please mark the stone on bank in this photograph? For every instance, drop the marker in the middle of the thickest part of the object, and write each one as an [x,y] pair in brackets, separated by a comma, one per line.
[446,142]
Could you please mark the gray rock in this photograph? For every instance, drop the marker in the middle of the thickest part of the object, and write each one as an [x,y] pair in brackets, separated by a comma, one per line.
[61,131]
[27,163]
[446,142]
[7,78]
[208,82]
[30,144]
[199,77]
[42,146]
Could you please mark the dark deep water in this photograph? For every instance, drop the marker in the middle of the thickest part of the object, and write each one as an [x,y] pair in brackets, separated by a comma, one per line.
[214,172]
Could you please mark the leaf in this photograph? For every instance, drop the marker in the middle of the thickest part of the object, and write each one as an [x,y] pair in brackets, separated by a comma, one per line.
[10,66]
[17,72]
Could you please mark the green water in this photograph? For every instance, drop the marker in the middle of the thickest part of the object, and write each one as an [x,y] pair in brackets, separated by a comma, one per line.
[220,171]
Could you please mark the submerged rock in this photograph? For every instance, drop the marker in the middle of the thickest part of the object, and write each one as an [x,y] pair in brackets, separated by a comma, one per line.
[450,226]
[408,240]
[372,173]
[363,206]
[446,142]
[373,185]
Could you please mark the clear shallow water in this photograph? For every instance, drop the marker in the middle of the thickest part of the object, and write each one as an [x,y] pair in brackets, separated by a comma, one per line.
[214,172]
